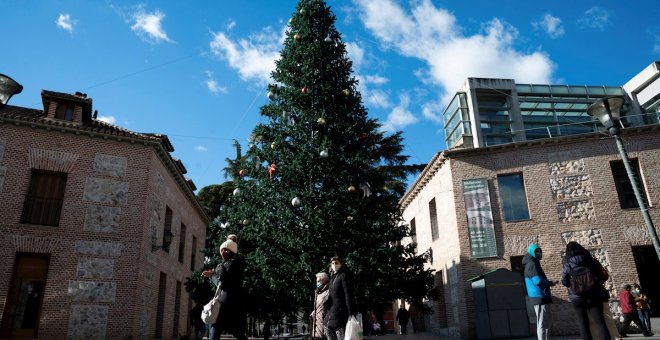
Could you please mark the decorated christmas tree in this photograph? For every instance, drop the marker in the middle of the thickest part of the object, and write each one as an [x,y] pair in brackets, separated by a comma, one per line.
[318,179]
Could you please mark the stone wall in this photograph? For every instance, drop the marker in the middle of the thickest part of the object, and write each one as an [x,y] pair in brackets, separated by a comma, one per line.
[568,181]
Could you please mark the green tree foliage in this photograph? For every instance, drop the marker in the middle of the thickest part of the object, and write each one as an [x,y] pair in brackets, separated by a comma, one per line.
[318,146]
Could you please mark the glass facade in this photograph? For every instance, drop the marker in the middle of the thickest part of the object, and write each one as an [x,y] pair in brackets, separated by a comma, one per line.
[558,110]
[495,118]
[457,119]
[545,111]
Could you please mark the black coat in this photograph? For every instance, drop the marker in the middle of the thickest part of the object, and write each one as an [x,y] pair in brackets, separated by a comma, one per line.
[232,317]
[341,303]
[598,291]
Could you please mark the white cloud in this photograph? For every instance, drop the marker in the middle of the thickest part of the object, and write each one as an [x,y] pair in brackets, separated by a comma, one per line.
[355,53]
[595,17]
[149,26]
[107,119]
[551,25]
[375,79]
[231,24]
[213,86]
[400,116]
[254,57]
[656,45]
[432,35]
[201,148]
[377,98]
[64,22]
[433,111]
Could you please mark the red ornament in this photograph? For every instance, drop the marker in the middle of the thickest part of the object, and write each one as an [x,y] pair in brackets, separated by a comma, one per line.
[272,170]
[241,172]
[304,90]
[364,135]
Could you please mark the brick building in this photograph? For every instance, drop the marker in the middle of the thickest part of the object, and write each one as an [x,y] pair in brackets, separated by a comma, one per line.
[527,164]
[99,227]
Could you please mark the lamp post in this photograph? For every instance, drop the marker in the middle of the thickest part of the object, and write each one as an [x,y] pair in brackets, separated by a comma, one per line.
[606,110]
[8,88]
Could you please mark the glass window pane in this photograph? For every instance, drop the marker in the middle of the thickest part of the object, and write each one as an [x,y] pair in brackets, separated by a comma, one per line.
[578,89]
[598,90]
[559,89]
[524,88]
[613,91]
[513,197]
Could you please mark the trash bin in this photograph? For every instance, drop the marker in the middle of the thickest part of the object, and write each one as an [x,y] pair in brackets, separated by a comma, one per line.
[499,301]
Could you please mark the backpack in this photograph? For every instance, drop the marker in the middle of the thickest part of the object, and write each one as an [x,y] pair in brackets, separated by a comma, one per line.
[582,280]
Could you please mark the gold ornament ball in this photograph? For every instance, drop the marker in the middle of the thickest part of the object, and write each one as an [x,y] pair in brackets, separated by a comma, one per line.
[246,221]
[321,121]
[349,217]
[296,36]
[351,189]
[273,145]
[346,92]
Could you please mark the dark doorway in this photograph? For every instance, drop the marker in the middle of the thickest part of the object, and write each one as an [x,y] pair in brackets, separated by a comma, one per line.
[647,263]
[23,308]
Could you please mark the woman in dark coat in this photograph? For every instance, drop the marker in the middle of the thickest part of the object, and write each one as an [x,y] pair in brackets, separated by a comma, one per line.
[341,303]
[589,303]
[229,274]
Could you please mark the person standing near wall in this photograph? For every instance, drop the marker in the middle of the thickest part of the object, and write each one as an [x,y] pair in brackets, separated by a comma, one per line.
[402,316]
[538,289]
[629,310]
[584,276]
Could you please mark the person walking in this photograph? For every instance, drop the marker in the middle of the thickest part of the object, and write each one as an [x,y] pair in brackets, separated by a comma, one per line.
[584,276]
[341,303]
[229,275]
[320,297]
[643,308]
[538,289]
[629,310]
[402,317]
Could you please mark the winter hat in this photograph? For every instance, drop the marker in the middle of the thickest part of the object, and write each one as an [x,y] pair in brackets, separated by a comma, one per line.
[230,245]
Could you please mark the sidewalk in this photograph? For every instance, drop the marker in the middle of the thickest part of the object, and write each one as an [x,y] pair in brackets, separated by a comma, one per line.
[431,336]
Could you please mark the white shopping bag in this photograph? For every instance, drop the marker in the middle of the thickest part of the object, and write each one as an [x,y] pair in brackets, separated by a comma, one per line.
[354,328]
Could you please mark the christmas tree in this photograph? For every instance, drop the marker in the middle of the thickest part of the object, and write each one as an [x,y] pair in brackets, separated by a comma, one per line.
[318,179]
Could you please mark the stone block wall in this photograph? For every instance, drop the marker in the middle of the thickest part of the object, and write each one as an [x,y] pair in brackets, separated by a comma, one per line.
[571,196]
[100,278]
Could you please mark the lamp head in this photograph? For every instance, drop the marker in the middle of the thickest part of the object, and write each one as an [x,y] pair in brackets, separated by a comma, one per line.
[8,88]
[608,111]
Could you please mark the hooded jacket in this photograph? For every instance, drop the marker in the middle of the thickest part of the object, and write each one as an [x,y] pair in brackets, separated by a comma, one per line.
[537,284]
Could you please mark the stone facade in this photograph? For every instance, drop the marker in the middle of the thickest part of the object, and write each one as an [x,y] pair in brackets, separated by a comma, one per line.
[571,196]
[102,269]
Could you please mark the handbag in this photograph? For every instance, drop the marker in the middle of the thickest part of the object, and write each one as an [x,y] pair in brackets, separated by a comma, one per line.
[212,308]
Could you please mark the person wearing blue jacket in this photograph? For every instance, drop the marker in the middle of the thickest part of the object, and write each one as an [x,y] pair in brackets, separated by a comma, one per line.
[538,289]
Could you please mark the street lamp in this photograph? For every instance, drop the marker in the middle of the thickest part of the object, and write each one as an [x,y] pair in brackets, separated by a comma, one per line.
[606,110]
[8,88]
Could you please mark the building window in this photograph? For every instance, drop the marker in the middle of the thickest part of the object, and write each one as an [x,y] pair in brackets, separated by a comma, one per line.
[627,198]
[167,229]
[64,112]
[182,242]
[433,214]
[413,230]
[513,196]
[160,307]
[43,203]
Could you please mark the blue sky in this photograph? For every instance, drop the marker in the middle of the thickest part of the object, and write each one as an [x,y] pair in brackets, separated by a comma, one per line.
[197,70]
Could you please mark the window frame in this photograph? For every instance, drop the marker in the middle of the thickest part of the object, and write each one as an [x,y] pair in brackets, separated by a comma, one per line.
[623,186]
[433,218]
[49,186]
[505,201]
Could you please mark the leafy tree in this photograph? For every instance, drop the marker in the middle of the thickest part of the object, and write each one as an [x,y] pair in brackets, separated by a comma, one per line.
[319,179]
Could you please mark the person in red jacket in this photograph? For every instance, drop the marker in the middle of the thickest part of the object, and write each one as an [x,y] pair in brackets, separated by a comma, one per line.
[629,310]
